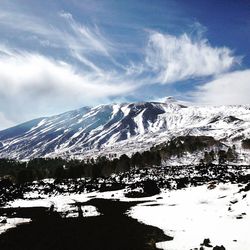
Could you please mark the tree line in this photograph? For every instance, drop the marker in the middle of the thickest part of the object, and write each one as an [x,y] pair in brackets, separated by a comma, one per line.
[58,168]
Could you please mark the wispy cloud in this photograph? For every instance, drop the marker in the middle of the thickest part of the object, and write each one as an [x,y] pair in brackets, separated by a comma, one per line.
[77,40]
[83,42]
[17,21]
[89,40]
[174,58]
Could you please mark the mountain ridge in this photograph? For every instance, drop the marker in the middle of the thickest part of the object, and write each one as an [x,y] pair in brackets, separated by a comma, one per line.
[122,128]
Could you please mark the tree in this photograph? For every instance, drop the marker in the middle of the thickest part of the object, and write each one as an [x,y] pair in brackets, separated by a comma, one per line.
[212,155]
[59,173]
[123,164]
[246,144]
[207,158]
[230,156]
[222,156]
[25,175]
[136,160]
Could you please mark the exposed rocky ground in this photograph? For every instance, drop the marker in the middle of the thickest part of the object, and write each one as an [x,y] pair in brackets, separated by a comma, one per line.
[136,181]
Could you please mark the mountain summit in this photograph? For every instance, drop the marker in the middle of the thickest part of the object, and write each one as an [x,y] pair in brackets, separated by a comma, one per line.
[170,99]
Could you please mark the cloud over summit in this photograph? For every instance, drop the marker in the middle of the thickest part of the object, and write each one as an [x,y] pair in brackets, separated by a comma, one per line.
[34,83]
[226,89]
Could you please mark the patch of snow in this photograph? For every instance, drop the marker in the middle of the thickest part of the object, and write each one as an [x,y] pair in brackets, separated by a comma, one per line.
[196,213]
[7,223]
[87,211]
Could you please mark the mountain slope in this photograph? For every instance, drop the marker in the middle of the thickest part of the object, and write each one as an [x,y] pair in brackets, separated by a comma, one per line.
[122,128]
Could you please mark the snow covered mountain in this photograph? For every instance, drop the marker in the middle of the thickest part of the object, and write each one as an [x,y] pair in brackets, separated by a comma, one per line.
[122,128]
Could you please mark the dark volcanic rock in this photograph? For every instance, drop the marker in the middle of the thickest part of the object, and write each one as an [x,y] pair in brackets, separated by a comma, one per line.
[206,243]
[219,248]
[112,230]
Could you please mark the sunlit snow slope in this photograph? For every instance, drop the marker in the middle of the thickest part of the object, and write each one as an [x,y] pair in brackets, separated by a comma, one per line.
[122,128]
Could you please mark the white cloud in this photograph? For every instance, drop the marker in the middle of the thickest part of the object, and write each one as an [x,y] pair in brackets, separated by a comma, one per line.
[87,39]
[83,41]
[26,22]
[4,122]
[32,84]
[62,32]
[174,58]
[229,88]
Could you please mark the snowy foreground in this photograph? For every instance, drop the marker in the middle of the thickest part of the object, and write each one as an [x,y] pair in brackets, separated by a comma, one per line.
[194,214]
[218,211]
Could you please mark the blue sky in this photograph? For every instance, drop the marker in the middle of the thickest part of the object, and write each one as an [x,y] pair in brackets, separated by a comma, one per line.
[60,55]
